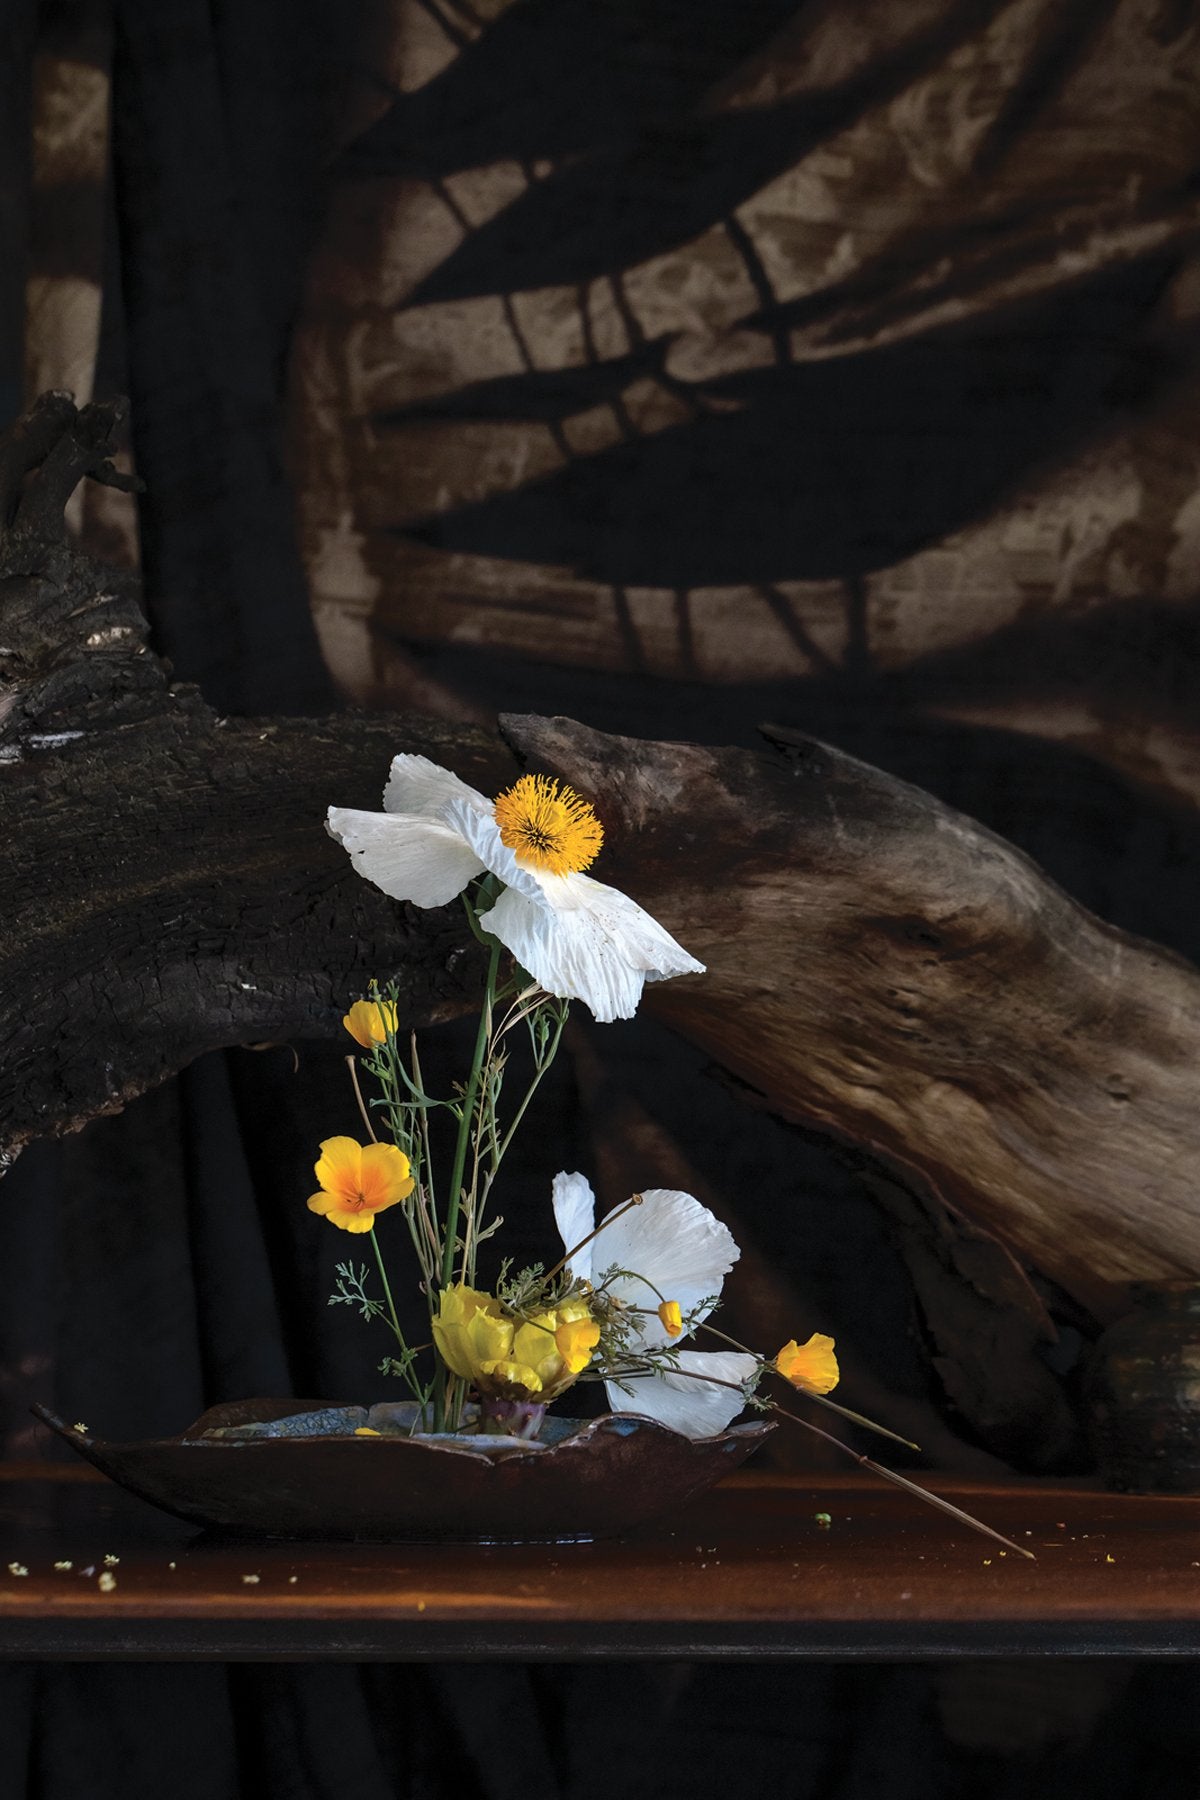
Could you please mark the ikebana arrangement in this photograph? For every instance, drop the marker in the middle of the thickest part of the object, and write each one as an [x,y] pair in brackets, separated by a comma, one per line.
[472,1451]
[631,1291]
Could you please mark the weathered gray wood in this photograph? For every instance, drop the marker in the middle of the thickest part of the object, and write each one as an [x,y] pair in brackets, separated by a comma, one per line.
[884,966]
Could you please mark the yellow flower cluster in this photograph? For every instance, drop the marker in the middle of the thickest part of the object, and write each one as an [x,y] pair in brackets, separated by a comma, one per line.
[513,1359]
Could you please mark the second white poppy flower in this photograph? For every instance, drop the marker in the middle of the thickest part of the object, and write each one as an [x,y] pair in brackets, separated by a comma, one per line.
[669,1247]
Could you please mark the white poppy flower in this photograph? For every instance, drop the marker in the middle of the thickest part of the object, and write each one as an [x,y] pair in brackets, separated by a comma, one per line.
[578,938]
[670,1248]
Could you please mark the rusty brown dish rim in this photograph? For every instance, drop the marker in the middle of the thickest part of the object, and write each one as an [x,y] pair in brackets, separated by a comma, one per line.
[600,1478]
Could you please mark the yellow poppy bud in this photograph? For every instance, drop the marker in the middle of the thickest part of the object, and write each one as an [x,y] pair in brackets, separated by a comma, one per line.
[369,1022]
[672,1318]
[812,1365]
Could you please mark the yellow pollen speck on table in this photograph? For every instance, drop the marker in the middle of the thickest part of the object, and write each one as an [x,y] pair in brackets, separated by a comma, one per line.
[548,826]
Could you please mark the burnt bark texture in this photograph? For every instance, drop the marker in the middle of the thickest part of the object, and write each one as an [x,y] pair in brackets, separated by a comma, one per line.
[167,885]
[878,964]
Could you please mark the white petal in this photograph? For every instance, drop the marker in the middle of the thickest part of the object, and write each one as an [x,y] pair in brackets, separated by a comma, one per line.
[580,939]
[696,1408]
[481,831]
[644,943]
[424,789]
[676,1246]
[575,1215]
[410,858]
[567,953]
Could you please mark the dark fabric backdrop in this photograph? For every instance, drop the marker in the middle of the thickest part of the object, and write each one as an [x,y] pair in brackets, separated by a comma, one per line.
[162,1260]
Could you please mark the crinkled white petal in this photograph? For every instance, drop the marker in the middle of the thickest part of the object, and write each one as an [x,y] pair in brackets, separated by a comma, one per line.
[644,943]
[676,1250]
[410,858]
[483,834]
[568,953]
[578,938]
[424,789]
[575,1215]
[696,1408]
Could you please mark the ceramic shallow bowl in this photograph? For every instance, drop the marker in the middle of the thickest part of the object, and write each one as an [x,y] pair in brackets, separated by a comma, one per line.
[297,1469]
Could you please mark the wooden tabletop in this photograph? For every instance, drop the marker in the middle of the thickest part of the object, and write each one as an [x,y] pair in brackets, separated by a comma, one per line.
[764,1566]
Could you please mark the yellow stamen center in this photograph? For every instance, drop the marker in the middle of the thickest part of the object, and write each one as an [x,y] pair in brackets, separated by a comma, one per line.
[548,826]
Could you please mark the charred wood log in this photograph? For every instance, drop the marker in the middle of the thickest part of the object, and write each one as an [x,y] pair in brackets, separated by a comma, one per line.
[167,887]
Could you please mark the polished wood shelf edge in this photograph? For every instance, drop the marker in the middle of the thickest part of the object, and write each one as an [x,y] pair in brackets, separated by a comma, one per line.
[767,1566]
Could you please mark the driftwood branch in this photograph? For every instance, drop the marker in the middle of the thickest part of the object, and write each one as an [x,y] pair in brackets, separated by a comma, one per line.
[878,964]
[889,969]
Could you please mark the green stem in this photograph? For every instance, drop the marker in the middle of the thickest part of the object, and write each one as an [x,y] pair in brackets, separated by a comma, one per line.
[551,1053]
[410,1374]
[499,1146]
[454,1198]
[426,1149]
[442,1389]
[387,1292]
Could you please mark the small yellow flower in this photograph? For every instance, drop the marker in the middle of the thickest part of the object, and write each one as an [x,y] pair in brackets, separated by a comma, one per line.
[369,1022]
[812,1365]
[513,1359]
[359,1180]
[672,1317]
[548,826]
[575,1339]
